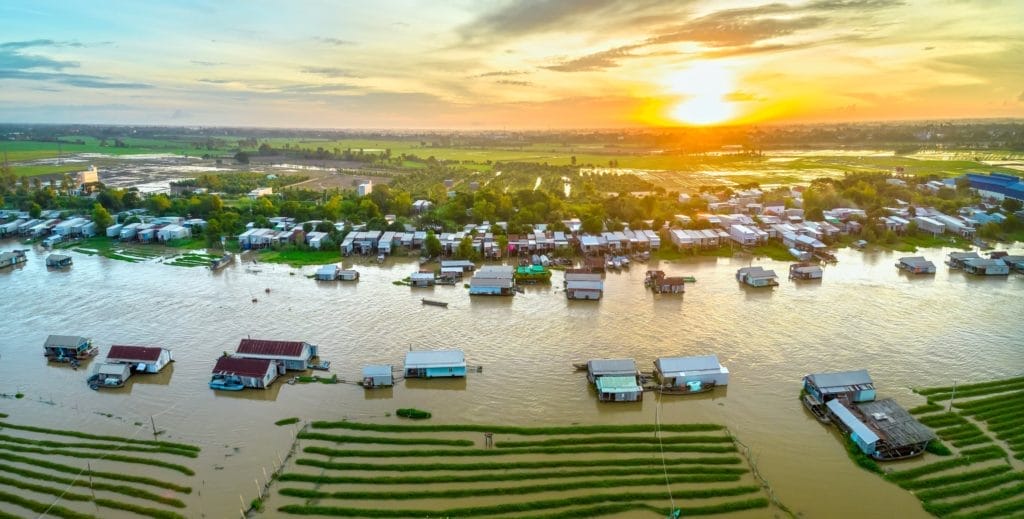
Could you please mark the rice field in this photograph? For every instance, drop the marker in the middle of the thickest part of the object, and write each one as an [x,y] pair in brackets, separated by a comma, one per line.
[352,469]
[78,475]
[983,424]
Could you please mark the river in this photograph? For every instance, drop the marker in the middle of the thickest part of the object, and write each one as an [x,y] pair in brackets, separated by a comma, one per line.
[908,331]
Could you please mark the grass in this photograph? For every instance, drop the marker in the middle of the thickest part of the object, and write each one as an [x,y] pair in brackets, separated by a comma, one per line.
[114,476]
[141,510]
[962,387]
[943,481]
[287,421]
[862,460]
[942,420]
[987,404]
[97,485]
[937,448]
[946,508]
[299,258]
[514,476]
[927,408]
[530,506]
[77,434]
[494,466]
[100,446]
[41,508]
[110,457]
[42,489]
[1000,510]
[615,439]
[523,431]
[413,413]
[968,393]
[970,487]
[773,250]
[337,453]
[383,440]
[967,458]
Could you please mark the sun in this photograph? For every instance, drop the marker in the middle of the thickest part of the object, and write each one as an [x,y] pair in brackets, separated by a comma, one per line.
[703,87]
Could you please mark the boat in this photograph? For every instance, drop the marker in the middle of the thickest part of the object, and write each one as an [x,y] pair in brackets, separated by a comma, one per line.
[532,273]
[226,383]
[580,366]
[690,388]
[433,302]
[222,261]
[319,365]
[817,410]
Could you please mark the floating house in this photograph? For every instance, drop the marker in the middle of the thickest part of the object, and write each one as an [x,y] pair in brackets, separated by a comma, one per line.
[463,265]
[434,364]
[881,429]
[678,371]
[616,380]
[804,271]
[142,359]
[958,259]
[916,265]
[255,373]
[986,267]
[348,275]
[847,386]
[757,277]
[668,284]
[12,258]
[493,280]
[377,375]
[65,348]
[58,261]
[327,273]
[532,274]
[422,279]
[109,375]
[288,355]
[584,289]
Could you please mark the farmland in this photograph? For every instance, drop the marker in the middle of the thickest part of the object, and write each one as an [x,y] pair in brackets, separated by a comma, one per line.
[351,469]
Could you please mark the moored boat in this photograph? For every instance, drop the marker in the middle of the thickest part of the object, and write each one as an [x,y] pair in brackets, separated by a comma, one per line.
[226,383]
[690,388]
[433,302]
[222,261]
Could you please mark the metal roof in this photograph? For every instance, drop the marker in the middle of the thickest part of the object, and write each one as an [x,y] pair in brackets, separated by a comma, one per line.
[583,284]
[123,370]
[64,341]
[897,426]
[490,282]
[244,367]
[617,385]
[270,348]
[916,261]
[495,272]
[841,382]
[435,358]
[134,353]
[612,367]
[377,370]
[852,422]
[688,364]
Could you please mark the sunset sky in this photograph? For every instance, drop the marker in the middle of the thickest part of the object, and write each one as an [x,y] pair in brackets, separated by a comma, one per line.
[532,64]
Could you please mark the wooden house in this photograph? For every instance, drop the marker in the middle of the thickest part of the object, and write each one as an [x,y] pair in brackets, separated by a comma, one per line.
[422,279]
[493,281]
[433,364]
[668,284]
[289,355]
[957,260]
[142,359]
[847,386]
[255,373]
[804,271]
[677,371]
[65,348]
[616,380]
[12,258]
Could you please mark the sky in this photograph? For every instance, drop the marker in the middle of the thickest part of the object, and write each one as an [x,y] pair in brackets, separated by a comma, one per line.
[530,64]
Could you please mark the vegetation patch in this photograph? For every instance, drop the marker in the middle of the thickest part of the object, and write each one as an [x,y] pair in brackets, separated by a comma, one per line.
[937,448]
[97,485]
[287,421]
[96,456]
[41,508]
[336,453]
[77,434]
[523,431]
[335,438]
[415,414]
[927,408]
[114,476]
[417,467]
[635,440]
[510,476]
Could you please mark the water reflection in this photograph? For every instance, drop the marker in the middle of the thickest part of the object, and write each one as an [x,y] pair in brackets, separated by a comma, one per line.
[384,393]
[458,384]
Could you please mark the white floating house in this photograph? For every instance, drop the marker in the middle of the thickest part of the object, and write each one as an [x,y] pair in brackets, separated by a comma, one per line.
[141,358]
[616,380]
[377,375]
[433,364]
[678,371]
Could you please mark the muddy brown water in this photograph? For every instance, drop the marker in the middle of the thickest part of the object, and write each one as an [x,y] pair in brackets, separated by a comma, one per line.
[908,331]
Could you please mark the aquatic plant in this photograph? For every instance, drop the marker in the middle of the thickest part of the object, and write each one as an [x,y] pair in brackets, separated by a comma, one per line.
[140,510]
[972,486]
[43,489]
[97,485]
[937,448]
[77,434]
[524,431]
[614,439]
[926,408]
[287,421]
[862,460]
[513,476]
[113,476]
[106,456]
[98,446]
[967,458]
[339,453]
[968,387]
[972,440]
[960,477]
[948,507]
[336,438]
[40,508]
[969,406]
[415,414]
[942,420]
[1000,510]
[492,466]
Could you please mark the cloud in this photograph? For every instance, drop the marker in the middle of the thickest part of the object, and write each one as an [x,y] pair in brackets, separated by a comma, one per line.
[14,64]
[511,82]
[315,88]
[328,71]
[78,80]
[202,63]
[214,81]
[596,61]
[39,43]
[737,27]
[501,73]
[334,41]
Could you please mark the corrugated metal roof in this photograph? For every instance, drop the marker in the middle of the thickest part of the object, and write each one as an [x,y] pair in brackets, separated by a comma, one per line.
[841,380]
[609,384]
[243,367]
[268,347]
[612,367]
[122,370]
[583,284]
[134,353]
[896,424]
[852,422]
[377,370]
[64,341]
[435,358]
[688,364]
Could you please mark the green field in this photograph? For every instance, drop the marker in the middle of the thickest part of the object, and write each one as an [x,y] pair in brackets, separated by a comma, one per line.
[396,470]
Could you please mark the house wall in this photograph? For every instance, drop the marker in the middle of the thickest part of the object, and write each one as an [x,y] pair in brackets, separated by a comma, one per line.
[459,371]
[579,293]
[634,396]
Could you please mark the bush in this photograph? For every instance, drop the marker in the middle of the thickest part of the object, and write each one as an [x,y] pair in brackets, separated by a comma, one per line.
[413,413]
[287,421]
[937,448]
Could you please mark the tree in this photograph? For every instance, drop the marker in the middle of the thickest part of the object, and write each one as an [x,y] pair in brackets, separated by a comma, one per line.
[158,204]
[101,217]
[34,210]
[990,230]
[466,249]
[242,157]
[1012,205]
[432,245]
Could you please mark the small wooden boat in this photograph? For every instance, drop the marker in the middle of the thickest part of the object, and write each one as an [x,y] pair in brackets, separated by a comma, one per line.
[226,383]
[686,389]
[689,279]
[433,302]
[320,365]
[580,366]
[818,410]
[222,261]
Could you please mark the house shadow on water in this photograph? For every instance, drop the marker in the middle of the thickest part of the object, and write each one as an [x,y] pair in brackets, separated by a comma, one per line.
[458,384]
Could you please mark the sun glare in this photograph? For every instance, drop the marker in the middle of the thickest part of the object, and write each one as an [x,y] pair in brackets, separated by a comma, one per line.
[703,87]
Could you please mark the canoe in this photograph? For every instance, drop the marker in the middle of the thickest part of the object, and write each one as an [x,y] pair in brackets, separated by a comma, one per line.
[433,302]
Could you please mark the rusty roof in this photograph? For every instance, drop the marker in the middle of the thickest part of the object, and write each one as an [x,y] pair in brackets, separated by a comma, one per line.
[242,367]
[270,348]
[134,353]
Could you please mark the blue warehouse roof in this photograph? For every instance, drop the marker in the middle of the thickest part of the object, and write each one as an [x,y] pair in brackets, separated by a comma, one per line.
[851,422]
[1007,185]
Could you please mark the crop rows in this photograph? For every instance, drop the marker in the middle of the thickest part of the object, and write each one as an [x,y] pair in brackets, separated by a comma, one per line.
[43,474]
[985,428]
[391,470]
